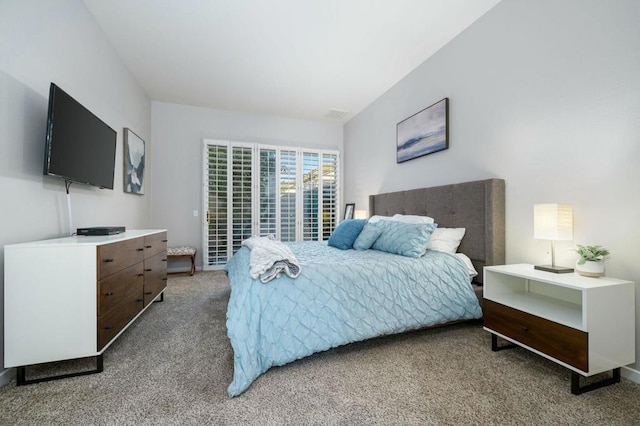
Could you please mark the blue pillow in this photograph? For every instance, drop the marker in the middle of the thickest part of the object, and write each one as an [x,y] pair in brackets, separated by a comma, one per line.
[346,233]
[406,239]
[367,237]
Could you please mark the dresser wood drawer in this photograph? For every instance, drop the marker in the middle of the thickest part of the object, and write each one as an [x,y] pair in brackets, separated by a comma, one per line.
[117,318]
[115,257]
[113,289]
[155,276]
[154,244]
[563,343]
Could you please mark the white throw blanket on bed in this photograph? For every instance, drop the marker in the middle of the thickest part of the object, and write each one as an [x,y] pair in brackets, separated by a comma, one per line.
[270,258]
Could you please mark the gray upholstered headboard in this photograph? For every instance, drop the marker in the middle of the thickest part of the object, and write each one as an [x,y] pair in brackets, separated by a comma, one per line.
[477,206]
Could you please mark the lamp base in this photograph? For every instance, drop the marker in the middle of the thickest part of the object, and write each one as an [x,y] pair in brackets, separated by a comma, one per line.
[554,268]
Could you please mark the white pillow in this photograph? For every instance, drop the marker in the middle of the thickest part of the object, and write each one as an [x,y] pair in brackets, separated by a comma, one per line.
[446,239]
[411,218]
[377,218]
[472,271]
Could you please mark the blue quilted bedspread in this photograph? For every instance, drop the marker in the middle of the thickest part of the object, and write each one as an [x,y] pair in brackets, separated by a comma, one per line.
[341,296]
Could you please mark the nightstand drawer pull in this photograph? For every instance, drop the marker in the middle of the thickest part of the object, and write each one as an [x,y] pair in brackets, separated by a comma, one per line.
[525,328]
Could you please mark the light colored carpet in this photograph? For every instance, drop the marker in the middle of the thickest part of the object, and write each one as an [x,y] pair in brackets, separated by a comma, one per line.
[172,367]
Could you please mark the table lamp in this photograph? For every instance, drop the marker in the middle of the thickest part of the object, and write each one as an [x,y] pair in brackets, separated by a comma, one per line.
[553,222]
[360,214]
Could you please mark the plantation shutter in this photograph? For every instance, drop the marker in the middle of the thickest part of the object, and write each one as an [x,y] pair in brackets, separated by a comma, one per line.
[310,184]
[254,189]
[288,193]
[268,192]
[241,216]
[217,235]
[329,194]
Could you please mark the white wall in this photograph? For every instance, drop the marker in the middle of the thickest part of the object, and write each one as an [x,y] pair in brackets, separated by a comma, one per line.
[44,41]
[178,132]
[544,94]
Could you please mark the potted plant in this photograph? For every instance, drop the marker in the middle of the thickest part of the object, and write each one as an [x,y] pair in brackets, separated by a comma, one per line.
[590,262]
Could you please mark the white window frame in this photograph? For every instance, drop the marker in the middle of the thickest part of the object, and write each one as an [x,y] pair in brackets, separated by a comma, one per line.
[255,196]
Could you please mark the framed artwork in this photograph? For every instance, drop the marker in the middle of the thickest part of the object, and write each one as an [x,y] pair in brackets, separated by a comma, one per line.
[133,163]
[423,133]
[348,210]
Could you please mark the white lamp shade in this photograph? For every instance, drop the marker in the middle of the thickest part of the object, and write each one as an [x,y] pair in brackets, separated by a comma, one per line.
[360,214]
[553,222]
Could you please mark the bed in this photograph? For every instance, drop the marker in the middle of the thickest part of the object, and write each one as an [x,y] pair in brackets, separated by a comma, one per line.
[344,296]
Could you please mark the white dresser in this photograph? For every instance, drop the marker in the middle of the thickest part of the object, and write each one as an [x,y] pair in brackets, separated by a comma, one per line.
[71,297]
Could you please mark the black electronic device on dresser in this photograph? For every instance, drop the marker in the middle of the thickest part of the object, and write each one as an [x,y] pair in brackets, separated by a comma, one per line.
[101,230]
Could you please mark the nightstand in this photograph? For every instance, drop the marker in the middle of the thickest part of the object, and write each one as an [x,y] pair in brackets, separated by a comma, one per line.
[584,324]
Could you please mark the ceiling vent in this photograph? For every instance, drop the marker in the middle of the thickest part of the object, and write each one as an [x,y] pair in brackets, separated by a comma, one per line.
[336,114]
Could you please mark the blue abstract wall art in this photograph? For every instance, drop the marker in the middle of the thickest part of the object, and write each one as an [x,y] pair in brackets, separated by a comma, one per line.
[133,163]
[424,133]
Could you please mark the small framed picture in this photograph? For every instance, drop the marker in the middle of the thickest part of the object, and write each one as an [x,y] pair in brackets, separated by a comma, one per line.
[348,210]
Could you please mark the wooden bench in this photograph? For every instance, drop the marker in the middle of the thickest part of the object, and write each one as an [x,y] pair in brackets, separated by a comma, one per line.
[183,251]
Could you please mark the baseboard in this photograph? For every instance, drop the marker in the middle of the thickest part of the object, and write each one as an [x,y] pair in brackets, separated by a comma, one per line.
[631,374]
[7,375]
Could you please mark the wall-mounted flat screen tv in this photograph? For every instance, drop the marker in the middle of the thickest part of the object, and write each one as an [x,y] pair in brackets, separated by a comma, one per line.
[79,146]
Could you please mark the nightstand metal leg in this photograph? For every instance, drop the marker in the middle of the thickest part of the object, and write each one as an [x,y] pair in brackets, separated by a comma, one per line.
[577,390]
[494,344]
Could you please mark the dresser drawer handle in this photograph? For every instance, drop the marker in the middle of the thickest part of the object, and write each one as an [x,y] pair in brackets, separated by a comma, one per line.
[147,292]
[148,246]
[108,327]
[164,260]
[139,300]
[109,293]
[141,275]
[164,241]
[164,279]
[148,270]
[108,260]
[139,249]
[525,328]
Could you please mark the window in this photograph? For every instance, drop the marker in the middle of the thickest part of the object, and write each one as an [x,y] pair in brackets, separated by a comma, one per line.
[254,189]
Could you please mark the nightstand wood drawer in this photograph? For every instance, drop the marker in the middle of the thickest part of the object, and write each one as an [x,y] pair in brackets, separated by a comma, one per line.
[563,343]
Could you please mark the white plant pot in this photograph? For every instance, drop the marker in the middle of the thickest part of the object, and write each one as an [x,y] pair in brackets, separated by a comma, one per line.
[591,269]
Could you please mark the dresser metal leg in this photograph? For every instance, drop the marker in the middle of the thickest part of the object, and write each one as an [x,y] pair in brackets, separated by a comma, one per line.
[577,390]
[21,376]
[494,344]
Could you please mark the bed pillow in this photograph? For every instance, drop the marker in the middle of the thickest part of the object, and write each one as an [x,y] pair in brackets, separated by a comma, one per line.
[412,218]
[446,239]
[467,262]
[346,233]
[367,237]
[377,218]
[406,239]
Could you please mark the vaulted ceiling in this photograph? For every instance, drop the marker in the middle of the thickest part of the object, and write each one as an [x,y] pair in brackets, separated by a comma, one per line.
[306,59]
